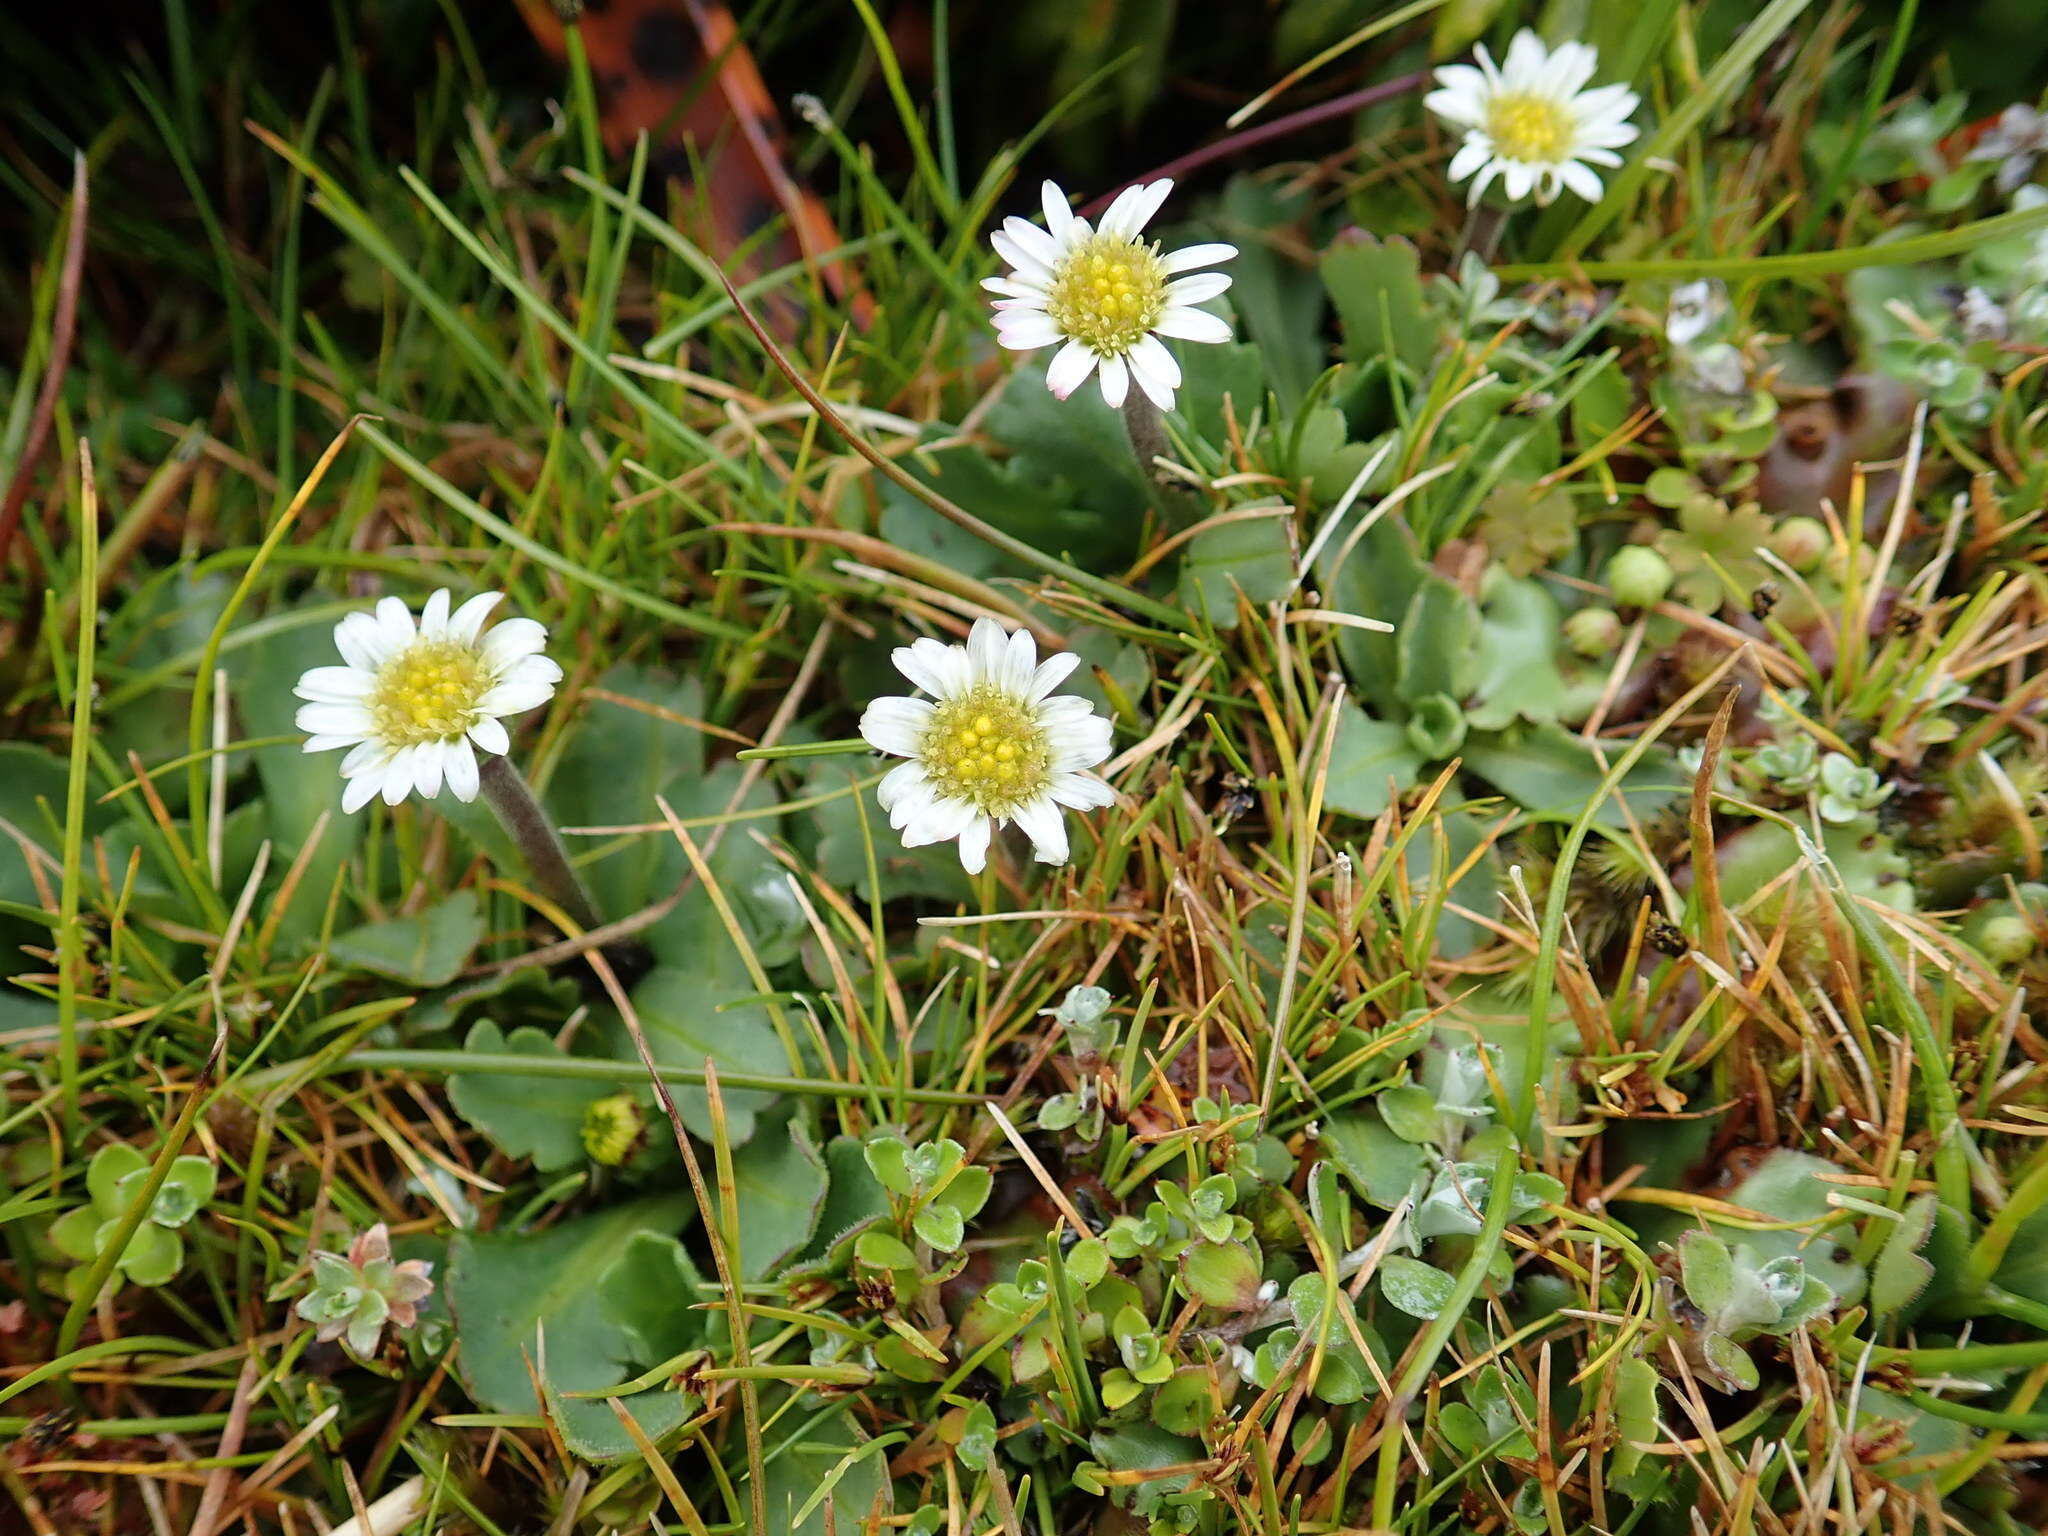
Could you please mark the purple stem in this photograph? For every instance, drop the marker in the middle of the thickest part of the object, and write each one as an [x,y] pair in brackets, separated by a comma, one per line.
[1336,106]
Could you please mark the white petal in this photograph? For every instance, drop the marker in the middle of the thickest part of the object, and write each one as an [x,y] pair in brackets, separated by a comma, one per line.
[1011,288]
[1057,214]
[1082,791]
[1156,389]
[1526,57]
[335,685]
[1149,201]
[896,725]
[1081,745]
[359,792]
[1193,325]
[1032,240]
[360,758]
[532,671]
[395,619]
[1610,103]
[434,616]
[328,719]
[515,698]
[1189,257]
[1051,673]
[974,844]
[985,650]
[1468,159]
[1150,353]
[1020,661]
[1517,180]
[397,775]
[943,821]
[1043,823]
[426,769]
[458,766]
[328,743]
[1193,290]
[512,639]
[1582,179]
[1116,381]
[941,670]
[1069,370]
[902,780]
[362,641]
[1571,67]
[1029,267]
[467,622]
[1025,330]
[491,736]
[1120,209]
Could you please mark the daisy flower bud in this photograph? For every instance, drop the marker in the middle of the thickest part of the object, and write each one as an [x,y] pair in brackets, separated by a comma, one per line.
[415,701]
[992,745]
[1106,293]
[1531,122]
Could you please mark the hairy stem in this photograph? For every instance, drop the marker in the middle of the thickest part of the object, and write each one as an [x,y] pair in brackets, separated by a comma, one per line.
[512,800]
[1146,429]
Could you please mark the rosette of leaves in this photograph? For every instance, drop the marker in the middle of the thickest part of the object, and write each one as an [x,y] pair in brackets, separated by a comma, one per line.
[1201,1232]
[1728,1295]
[1724,427]
[1713,550]
[113,1179]
[1475,678]
[356,1293]
[1941,370]
[1847,790]
[1790,765]
[1322,1314]
[1526,529]
[933,1189]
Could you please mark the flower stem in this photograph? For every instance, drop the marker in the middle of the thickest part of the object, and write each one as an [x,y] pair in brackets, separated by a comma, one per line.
[519,813]
[835,748]
[1146,429]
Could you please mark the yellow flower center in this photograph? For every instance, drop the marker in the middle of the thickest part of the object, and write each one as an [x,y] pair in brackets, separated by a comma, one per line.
[428,692]
[1108,293]
[1529,128]
[987,747]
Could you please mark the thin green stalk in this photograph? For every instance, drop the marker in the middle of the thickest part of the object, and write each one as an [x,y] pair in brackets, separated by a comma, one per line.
[1732,70]
[1017,549]
[1873,102]
[1543,981]
[589,1070]
[1911,251]
[70,936]
[1944,1113]
[1422,1360]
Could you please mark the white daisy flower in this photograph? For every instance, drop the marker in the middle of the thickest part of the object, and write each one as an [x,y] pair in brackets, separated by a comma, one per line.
[995,747]
[1530,121]
[1106,293]
[413,701]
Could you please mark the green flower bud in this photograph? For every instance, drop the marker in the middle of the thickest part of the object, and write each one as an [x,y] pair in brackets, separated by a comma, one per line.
[1801,542]
[2006,939]
[612,1128]
[1638,576]
[1593,632]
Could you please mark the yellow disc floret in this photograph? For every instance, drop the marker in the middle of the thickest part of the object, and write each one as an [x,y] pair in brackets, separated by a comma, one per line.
[1108,292]
[428,692]
[987,747]
[1529,128]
